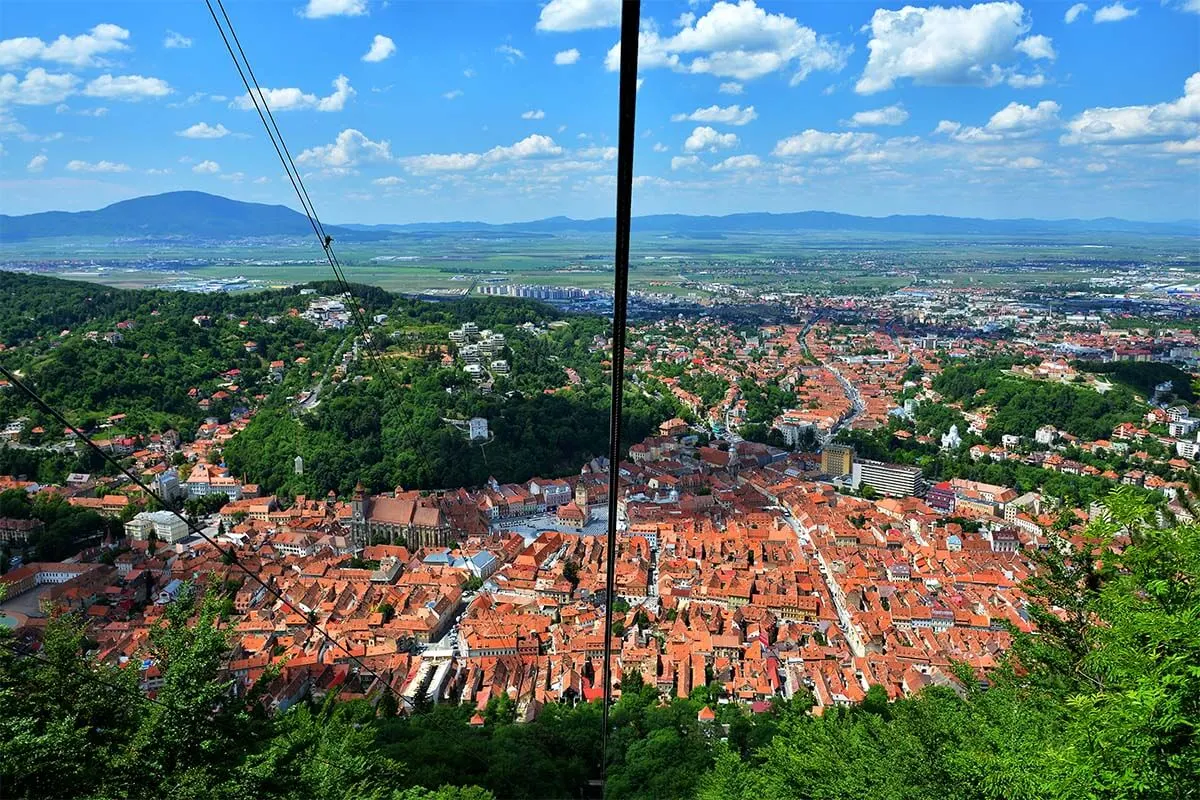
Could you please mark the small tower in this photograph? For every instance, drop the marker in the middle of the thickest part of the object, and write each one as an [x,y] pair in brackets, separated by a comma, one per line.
[298,465]
[358,503]
[358,517]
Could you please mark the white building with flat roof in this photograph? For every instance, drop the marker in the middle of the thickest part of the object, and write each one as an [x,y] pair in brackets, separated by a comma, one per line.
[166,527]
[894,480]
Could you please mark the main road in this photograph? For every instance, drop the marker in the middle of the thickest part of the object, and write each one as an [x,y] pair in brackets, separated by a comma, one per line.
[857,406]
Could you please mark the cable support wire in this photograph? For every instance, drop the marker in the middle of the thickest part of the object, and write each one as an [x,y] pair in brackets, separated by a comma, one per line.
[258,98]
[630,17]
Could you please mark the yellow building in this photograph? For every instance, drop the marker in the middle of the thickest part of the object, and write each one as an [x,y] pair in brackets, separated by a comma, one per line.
[837,459]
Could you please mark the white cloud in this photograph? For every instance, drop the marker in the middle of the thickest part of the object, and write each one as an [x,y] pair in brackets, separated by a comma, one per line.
[1026,162]
[156,171]
[1037,47]
[944,46]
[565,57]
[348,150]
[78,51]
[176,40]
[1190,146]
[1096,166]
[659,147]
[730,87]
[530,147]
[468,73]
[381,48]
[206,168]
[202,130]
[318,9]
[19,50]
[821,143]
[99,166]
[738,162]
[1114,12]
[127,87]
[37,163]
[443,162]
[706,138]
[1019,81]
[1016,118]
[292,99]
[1073,12]
[452,94]
[596,151]
[37,88]
[390,180]
[195,97]
[730,115]
[262,179]
[564,16]
[234,177]
[534,146]
[1179,119]
[685,162]
[534,114]
[510,53]
[1014,121]
[739,41]
[890,115]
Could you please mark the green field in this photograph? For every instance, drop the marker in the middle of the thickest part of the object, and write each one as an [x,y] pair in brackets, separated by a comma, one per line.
[818,262]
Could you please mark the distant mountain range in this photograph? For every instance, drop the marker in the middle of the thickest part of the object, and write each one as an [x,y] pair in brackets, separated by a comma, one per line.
[763,222]
[187,215]
[196,215]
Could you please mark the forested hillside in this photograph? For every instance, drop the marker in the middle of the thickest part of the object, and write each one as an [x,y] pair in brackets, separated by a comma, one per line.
[173,359]
[1103,702]
[1022,406]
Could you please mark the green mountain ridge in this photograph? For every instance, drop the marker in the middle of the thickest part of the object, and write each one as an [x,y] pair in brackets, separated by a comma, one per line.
[194,215]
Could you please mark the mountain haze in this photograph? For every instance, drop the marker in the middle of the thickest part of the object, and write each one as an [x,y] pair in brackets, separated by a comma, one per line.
[765,222]
[197,215]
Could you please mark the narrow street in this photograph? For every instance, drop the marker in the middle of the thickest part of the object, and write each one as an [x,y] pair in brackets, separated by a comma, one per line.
[835,590]
[839,602]
[314,395]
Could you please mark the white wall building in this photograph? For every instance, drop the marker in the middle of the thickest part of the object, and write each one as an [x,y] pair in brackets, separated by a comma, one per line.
[166,527]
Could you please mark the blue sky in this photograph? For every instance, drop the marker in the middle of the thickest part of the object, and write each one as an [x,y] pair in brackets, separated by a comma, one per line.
[414,110]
